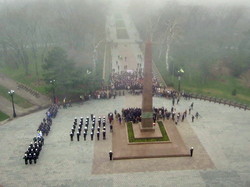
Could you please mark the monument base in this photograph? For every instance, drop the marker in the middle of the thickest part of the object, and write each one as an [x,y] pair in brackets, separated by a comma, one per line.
[146,129]
[140,134]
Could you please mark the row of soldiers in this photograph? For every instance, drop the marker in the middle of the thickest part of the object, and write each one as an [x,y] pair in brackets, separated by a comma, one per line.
[52,111]
[35,147]
[89,126]
[44,126]
[33,150]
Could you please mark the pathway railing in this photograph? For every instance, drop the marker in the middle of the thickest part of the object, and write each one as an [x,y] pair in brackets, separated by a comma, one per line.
[217,100]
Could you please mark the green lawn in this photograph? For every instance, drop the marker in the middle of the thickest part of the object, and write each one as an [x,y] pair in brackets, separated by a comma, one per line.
[17,99]
[3,116]
[133,139]
[220,89]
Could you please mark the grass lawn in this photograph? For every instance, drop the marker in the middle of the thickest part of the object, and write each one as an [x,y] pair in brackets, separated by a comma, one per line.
[3,116]
[17,99]
[220,89]
[133,139]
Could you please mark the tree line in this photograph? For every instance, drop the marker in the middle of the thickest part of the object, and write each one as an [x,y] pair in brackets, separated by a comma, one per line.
[55,39]
[206,41]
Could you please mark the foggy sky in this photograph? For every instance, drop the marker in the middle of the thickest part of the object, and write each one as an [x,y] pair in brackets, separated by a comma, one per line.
[200,2]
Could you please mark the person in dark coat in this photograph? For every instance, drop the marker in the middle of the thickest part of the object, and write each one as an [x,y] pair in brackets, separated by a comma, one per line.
[110,155]
[84,136]
[192,118]
[30,158]
[92,136]
[71,136]
[78,136]
[98,135]
[104,134]
[191,151]
[34,156]
[25,158]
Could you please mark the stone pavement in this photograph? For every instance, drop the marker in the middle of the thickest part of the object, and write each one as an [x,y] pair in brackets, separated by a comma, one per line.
[222,131]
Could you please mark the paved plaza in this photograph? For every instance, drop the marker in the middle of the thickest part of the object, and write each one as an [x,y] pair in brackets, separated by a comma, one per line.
[222,131]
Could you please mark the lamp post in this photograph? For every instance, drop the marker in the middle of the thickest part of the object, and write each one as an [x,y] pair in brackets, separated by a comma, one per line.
[53,90]
[180,73]
[11,93]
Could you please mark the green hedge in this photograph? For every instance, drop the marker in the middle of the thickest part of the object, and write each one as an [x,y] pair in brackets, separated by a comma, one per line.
[132,138]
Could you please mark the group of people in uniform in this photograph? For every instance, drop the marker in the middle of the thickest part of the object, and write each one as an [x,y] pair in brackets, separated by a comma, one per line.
[91,126]
[134,114]
[32,153]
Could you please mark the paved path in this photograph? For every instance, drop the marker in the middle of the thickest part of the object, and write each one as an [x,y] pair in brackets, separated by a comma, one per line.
[222,131]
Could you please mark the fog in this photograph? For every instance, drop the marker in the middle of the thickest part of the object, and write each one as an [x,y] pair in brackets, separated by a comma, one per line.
[201,34]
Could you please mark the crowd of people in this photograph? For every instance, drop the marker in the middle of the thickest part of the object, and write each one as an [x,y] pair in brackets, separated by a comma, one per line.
[35,147]
[134,114]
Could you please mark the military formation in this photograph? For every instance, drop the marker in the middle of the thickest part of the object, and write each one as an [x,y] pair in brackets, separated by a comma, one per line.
[31,155]
[90,127]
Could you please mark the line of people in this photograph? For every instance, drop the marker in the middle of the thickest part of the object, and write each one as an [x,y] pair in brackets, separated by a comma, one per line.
[35,147]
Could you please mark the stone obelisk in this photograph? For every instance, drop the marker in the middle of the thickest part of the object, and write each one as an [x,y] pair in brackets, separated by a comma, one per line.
[147,103]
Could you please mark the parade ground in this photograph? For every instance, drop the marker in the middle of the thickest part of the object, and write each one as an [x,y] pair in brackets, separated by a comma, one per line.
[220,138]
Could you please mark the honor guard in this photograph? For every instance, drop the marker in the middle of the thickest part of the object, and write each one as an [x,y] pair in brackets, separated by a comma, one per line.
[84,136]
[104,134]
[110,155]
[25,158]
[78,136]
[92,136]
[86,129]
[71,136]
[30,158]
[34,157]
[98,135]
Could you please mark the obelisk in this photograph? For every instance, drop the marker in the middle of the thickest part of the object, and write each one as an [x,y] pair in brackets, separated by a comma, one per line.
[147,103]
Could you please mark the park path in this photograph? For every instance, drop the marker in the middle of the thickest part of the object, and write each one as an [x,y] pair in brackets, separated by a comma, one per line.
[130,49]
[5,105]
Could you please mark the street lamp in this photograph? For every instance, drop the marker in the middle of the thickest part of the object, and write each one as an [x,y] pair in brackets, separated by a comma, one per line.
[11,93]
[53,89]
[180,73]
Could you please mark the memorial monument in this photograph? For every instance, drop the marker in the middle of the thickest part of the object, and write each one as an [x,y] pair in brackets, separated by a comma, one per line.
[147,103]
